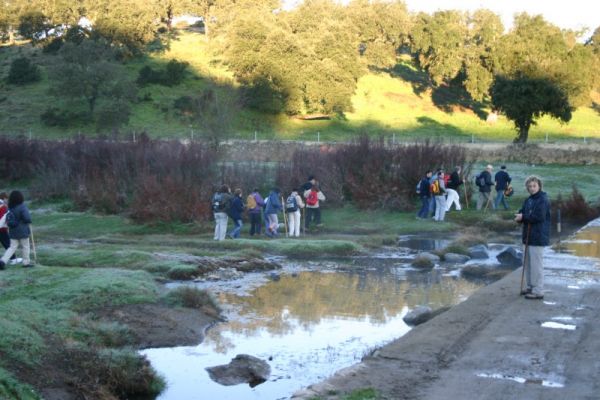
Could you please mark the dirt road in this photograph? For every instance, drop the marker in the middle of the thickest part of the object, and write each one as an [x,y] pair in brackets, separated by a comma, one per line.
[495,345]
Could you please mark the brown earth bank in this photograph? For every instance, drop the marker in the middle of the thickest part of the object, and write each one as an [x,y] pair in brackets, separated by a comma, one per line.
[73,374]
[492,346]
[546,153]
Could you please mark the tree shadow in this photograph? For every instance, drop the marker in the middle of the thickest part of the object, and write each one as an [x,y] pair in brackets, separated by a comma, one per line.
[418,78]
[596,107]
[453,97]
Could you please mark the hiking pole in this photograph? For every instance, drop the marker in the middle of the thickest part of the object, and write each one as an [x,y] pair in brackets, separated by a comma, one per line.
[525,256]
[466,197]
[33,245]
[558,227]
[284,219]
[487,204]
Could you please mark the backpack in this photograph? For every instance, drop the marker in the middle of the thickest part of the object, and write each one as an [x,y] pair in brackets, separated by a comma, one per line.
[419,187]
[509,190]
[218,203]
[291,204]
[250,202]
[480,180]
[11,220]
[435,188]
[312,198]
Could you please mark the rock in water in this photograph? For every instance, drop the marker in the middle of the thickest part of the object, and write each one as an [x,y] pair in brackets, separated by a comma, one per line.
[242,369]
[478,252]
[417,316]
[456,258]
[510,257]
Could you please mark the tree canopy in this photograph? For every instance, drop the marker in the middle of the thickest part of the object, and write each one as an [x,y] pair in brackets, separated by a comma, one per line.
[524,99]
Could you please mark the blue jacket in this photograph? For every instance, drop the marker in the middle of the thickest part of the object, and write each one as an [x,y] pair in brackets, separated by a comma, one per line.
[424,187]
[502,180]
[21,230]
[274,204]
[236,208]
[536,214]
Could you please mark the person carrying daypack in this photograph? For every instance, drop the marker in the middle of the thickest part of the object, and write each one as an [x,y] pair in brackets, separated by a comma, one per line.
[220,204]
[293,204]
[235,211]
[254,205]
[4,238]
[18,220]
[503,180]
[273,206]
[424,195]
[313,211]
[484,182]
[439,191]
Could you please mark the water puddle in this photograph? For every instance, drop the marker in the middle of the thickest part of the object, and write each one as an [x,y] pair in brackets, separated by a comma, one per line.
[536,381]
[557,325]
[307,325]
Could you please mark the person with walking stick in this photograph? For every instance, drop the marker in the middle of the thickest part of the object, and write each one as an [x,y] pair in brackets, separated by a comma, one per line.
[535,217]
[18,220]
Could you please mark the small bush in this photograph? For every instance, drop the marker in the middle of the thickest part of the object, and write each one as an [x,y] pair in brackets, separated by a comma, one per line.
[172,75]
[183,272]
[185,105]
[192,298]
[147,75]
[53,46]
[456,248]
[575,209]
[23,71]
[63,118]
[423,262]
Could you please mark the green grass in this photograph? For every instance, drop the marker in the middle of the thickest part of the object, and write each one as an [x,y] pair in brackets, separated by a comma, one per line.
[384,103]
[10,388]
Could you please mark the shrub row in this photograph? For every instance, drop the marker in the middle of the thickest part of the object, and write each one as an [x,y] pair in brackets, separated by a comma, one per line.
[156,180]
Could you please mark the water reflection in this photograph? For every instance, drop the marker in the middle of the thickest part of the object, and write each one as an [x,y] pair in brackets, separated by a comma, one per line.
[586,242]
[311,323]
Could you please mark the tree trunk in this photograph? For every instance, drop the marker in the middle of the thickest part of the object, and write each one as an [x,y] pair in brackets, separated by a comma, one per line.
[523,134]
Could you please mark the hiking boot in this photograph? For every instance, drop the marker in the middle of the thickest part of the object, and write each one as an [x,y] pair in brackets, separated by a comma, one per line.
[534,296]
[28,265]
[525,291]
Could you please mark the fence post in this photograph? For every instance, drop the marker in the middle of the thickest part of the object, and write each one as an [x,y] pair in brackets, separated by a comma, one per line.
[472,138]
[318,137]
[255,137]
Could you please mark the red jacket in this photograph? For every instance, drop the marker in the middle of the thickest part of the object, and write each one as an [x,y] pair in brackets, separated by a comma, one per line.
[3,210]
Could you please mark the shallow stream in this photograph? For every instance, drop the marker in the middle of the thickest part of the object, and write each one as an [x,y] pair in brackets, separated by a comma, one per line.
[313,318]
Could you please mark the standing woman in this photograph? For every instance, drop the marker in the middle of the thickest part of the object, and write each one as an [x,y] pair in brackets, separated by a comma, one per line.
[293,205]
[535,217]
[4,238]
[220,205]
[272,208]
[18,220]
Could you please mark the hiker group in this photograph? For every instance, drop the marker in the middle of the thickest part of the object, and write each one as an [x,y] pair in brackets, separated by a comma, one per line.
[439,191]
[300,208]
[15,229]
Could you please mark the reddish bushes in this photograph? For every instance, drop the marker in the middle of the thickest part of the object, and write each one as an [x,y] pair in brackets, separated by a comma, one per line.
[369,173]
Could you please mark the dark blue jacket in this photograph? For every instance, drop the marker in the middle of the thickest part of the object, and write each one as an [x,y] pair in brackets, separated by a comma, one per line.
[424,187]
[536,219]
[21,230]
[236,208]
[502,180]
[454,181]
[273,205]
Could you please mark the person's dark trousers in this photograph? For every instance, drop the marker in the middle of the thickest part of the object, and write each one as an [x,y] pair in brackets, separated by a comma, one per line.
[431,208]
[255,224]
[424,211]
[5,240]
[312,215]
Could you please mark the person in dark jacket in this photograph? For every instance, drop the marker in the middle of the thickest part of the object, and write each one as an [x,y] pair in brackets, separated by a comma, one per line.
[254,213]
[502,179]
[4,238]
[220,204]
[236,209]
[18,228]
[453,195]
[484,181]
[535,217]
[273,206]
[424,195]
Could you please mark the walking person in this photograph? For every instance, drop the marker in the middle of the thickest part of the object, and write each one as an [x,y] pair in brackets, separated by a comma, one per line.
[484,182]
[4,238]
[235,211]
[254,205]
[424,195]
[452,190]
[313,198]
[293,205]
[439,192]
[502,179]
[220,204]
[18,220]
[535,217]
[272,208]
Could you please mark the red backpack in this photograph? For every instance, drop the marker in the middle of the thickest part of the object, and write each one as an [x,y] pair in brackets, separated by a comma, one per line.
[312,198]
